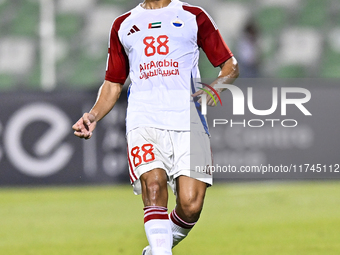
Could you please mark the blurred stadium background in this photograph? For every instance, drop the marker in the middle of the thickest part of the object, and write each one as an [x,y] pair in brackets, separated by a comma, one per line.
[52,61]
[297,38]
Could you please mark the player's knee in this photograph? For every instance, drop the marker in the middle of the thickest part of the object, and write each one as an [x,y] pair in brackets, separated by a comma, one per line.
[154,187]
[155,193]
[190,209]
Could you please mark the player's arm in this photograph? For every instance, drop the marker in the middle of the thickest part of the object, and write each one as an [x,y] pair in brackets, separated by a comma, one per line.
[211,42]
[108,95]
[228,74]
[117,70]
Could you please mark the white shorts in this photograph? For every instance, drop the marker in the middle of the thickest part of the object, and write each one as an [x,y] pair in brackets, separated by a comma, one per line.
[150,148]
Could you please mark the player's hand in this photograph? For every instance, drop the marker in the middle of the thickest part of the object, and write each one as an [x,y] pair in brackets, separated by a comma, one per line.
[84,127]
[210,100]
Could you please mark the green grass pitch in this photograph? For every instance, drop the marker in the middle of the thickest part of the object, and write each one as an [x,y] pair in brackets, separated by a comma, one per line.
[301,218]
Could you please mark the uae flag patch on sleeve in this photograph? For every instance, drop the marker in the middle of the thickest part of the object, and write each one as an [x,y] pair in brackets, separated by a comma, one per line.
[155,25]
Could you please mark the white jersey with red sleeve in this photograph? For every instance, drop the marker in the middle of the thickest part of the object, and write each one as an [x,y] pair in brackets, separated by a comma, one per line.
[159,48]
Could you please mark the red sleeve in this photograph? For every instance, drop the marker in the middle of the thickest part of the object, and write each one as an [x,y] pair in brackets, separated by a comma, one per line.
[117,69]
[209,37]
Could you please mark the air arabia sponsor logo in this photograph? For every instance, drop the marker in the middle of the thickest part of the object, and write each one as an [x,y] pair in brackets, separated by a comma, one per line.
[154,68]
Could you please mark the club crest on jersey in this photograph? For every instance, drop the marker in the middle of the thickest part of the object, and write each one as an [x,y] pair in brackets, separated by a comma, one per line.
[155,25]
[177,23]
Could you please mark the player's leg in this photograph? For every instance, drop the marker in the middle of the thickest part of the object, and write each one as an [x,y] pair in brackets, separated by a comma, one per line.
[149,158]
[191,149]
[156,218]
[190,198]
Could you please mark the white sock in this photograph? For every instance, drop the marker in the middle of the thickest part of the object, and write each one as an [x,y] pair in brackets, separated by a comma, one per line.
[180,228]
[158,230]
